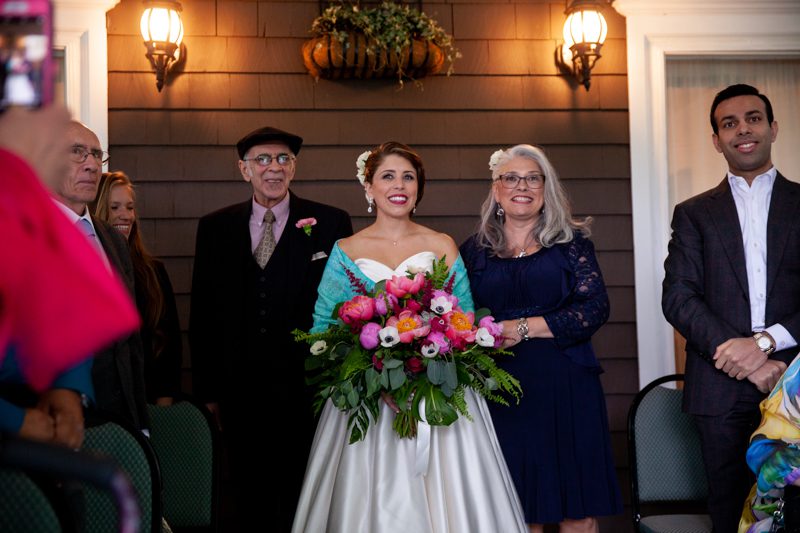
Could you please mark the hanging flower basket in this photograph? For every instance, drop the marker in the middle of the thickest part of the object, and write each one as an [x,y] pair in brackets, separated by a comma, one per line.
[390,40]
[358,57]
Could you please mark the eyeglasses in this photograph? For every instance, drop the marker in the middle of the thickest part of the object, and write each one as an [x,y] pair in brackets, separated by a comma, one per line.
[511,181]
[265,160]
[79,153]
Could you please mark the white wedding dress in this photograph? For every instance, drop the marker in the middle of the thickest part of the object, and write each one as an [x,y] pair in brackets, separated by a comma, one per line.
[458,482]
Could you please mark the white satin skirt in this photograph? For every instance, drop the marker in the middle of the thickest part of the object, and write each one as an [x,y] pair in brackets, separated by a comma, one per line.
[375,486]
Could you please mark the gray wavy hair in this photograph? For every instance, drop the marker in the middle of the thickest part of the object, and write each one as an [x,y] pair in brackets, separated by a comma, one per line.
[555,225]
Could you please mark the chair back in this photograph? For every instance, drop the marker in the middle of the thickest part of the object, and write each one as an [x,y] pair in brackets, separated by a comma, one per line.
[664,447]
[185,440]
[131,450]
[37,482]
[24,508]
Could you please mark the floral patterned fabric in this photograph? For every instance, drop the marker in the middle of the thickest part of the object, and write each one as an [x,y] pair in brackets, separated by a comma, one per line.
[774,454]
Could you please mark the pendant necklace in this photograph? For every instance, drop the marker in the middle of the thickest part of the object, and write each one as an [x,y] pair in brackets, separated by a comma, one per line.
[523,251]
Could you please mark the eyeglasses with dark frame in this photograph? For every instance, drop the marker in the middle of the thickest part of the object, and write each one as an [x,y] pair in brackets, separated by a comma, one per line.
[511,181]
[79,153]
[265,160]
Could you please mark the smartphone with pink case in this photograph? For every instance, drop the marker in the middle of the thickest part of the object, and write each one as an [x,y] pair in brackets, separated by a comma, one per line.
[26,53]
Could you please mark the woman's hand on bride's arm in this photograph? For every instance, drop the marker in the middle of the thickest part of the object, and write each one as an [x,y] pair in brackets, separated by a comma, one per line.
[389,399]
[510,335]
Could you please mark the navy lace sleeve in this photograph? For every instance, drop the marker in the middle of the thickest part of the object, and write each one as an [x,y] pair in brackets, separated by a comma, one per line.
[587,307]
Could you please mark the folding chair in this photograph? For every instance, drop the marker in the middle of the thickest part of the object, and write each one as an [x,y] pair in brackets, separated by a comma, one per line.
[185,439]
[134,454]
[665,460]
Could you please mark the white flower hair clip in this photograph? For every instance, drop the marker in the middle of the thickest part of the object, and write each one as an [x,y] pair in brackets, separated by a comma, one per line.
[361,165]
[495,159]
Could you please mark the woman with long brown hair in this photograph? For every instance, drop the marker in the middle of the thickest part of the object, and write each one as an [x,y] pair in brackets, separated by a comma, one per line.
[155,300]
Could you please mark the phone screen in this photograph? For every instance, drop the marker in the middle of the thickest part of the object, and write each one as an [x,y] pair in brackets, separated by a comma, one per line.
[25,53]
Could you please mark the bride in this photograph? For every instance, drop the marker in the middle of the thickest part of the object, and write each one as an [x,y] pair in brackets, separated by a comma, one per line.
[450,478]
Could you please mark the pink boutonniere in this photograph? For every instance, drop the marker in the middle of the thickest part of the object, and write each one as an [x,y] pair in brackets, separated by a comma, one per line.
[306,224]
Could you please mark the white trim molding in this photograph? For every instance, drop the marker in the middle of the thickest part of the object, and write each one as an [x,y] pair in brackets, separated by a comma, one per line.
[657,29]
[80,29]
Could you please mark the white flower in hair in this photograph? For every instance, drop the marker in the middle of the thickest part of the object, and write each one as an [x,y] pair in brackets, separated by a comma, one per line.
[361,165]
[495,159]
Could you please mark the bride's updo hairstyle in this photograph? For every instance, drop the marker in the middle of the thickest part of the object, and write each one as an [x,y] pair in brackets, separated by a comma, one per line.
[378,154]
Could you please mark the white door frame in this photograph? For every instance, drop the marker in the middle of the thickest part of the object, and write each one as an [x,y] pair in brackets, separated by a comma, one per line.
[80,29]
[657,29]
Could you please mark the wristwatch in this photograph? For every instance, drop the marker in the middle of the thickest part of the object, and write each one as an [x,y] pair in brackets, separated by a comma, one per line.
[765,342]
[522,328]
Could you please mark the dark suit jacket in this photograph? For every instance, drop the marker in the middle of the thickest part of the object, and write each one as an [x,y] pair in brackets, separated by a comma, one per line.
[217,333]
[705,291]
[118,370]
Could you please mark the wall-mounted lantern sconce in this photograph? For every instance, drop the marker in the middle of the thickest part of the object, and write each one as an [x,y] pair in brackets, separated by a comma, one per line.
[162,31]
[584,34]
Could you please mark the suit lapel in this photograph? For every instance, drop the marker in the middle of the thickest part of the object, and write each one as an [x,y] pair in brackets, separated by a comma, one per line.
[783,203]
[722,209]
[300,244]
[241,234]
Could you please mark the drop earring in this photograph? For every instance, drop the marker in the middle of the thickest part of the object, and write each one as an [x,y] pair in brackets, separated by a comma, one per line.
[370,203]
[414,211]
[500,211]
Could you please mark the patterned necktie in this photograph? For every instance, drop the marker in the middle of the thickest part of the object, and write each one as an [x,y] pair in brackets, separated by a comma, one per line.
[266,246]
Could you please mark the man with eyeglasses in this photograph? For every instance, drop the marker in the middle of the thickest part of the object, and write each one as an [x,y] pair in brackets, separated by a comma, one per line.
[118,370]
[256,271]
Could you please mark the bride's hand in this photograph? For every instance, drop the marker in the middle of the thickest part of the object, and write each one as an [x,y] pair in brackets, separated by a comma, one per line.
[389,399]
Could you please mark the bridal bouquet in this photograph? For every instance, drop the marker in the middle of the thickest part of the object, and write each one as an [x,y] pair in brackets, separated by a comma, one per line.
[408,338]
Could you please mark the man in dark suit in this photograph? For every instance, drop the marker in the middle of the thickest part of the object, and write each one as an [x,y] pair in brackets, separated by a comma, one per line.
[732,288]
[255,279]
[118,370]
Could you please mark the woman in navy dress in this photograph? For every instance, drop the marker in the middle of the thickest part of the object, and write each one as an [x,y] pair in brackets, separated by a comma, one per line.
[532,264]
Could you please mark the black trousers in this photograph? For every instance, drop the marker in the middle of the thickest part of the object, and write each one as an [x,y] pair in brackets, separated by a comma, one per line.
[724,441]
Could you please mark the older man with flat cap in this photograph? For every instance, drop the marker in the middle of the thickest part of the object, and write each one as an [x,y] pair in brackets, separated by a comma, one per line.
[256,270]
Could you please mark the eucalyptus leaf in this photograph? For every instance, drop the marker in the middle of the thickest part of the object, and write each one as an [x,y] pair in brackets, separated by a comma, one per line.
[373,380]
[436,371]
[451,374]
[397,377]
[392,363]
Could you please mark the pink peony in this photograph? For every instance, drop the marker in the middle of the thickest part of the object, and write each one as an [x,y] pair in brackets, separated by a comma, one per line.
[401,286]
[380,303]
[359,309]
[495,329]
[440,340]
[369,335]
[409,325]
[460,328]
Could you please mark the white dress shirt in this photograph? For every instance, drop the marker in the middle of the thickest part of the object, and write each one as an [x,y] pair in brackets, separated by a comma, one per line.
[752,206]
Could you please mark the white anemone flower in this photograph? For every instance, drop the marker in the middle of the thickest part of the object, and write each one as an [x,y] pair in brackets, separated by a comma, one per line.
[319,347]
[441,305]
[389,336]
[430,350]
[484,338]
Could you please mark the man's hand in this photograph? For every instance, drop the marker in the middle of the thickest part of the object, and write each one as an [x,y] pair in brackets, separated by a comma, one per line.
[37,425]
[739,357]
[39,137]
[64,406]
[766,376]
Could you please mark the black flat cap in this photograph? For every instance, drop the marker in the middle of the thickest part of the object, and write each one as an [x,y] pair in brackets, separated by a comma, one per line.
[268,135]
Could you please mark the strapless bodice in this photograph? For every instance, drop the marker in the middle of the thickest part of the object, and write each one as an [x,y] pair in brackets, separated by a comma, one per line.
[377,271]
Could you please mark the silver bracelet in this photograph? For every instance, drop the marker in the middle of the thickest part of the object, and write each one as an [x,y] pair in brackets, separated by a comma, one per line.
[522,328]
